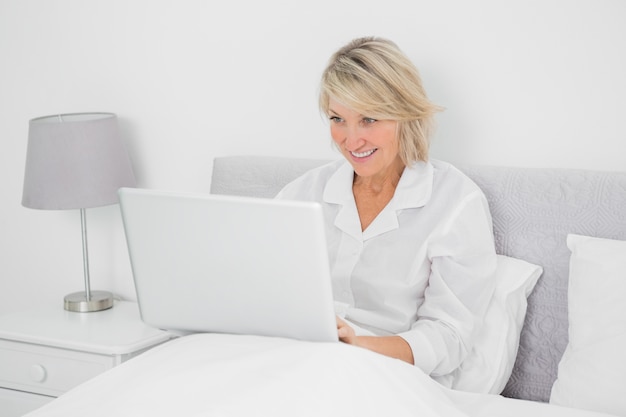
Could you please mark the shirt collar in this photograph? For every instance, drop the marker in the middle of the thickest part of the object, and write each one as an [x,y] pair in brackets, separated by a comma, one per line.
[415,186]
[414,190]
[338,189]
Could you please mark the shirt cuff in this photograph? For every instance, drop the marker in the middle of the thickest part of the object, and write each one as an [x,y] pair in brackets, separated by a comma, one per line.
[421,339]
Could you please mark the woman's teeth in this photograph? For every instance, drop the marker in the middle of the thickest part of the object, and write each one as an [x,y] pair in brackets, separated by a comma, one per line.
[363,154]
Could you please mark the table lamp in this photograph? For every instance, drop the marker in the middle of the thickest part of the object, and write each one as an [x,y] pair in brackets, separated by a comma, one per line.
[76,161]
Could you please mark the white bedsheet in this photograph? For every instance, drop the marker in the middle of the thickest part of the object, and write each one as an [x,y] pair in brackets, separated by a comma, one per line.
[227,375]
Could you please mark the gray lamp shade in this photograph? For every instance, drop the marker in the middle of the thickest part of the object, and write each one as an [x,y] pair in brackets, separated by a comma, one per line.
[75,161]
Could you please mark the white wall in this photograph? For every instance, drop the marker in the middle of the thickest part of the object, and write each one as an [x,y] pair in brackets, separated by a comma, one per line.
[527,83]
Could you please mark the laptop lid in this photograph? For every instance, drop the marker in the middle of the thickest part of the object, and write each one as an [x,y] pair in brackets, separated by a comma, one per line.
[226,264]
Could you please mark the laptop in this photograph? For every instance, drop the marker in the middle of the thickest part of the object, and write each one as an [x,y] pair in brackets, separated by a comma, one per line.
[226,264]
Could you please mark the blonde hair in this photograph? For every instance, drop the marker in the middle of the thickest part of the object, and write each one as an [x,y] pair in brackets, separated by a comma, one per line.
[374,77]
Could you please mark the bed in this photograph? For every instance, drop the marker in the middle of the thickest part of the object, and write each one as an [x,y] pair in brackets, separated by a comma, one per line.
[227,375]
[569,223]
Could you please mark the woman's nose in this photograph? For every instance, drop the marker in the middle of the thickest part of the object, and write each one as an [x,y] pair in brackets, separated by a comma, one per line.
[353,139]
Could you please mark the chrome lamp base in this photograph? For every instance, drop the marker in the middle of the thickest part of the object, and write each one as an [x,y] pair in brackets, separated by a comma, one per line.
[78,302]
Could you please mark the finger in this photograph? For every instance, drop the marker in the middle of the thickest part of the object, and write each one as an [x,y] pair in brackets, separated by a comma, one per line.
[342,332]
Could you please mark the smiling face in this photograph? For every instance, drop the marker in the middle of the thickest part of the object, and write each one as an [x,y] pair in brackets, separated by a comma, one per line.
[371,146]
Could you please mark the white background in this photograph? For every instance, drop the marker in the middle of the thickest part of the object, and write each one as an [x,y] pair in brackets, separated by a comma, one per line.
[535,83]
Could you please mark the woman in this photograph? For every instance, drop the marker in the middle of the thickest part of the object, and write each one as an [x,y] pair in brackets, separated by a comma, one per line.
[410,240]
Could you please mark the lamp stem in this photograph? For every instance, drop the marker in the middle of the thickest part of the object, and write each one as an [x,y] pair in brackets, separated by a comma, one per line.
[87,301]
[83,227]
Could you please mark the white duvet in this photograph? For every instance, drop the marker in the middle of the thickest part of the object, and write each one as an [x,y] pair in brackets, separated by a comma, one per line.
[228,375]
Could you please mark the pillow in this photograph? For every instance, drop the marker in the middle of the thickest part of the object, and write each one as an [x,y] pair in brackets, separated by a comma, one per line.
[490,363]
[592,369]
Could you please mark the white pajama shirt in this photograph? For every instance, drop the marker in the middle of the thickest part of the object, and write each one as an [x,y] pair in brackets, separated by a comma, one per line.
[423,269]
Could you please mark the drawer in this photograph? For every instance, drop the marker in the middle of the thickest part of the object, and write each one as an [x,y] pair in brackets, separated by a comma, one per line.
[46,370]
[17,403]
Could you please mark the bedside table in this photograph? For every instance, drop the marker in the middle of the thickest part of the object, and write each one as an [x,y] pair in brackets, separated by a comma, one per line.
[44,352]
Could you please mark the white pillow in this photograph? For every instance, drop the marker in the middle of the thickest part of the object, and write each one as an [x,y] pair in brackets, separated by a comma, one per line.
[488,367]
[592,370]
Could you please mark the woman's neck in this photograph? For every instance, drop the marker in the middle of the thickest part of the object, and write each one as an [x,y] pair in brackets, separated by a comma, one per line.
[380,182]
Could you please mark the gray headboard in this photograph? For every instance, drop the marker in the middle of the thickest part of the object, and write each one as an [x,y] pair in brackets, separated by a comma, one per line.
[533,211]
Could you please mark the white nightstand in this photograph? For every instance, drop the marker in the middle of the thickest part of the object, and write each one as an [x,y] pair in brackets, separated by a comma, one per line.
[47,351]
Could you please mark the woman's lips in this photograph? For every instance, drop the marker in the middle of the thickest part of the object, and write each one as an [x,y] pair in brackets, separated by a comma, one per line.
[365,154]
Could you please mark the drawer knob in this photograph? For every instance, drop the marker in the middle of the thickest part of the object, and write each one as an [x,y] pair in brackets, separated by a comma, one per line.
[38,373]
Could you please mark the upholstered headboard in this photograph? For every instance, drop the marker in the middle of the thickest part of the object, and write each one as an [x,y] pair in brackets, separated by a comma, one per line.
[533,211]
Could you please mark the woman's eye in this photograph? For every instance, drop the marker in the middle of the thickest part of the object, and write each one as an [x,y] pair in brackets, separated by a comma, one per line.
[336,119]
[368,120]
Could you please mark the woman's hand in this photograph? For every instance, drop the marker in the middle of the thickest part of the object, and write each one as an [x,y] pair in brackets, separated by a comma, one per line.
[392,346]
[345,332]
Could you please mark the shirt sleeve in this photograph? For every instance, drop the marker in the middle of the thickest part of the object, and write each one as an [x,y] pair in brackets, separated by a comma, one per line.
[460,285]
